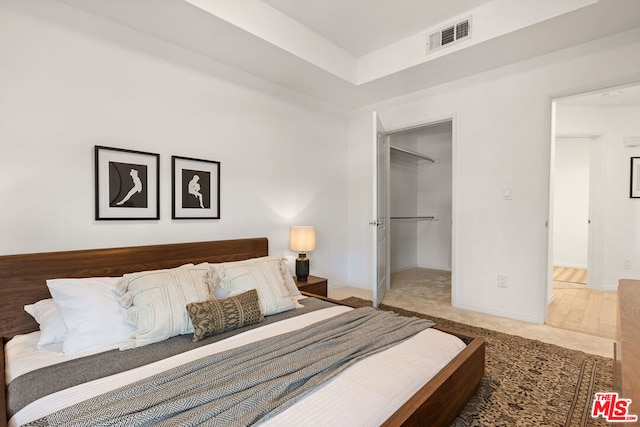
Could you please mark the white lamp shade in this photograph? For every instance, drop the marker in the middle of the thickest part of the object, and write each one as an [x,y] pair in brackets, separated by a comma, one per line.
[302,238]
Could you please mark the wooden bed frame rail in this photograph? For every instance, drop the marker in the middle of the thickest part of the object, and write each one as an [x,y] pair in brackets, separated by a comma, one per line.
[439,402]
[3,393]
[23,281]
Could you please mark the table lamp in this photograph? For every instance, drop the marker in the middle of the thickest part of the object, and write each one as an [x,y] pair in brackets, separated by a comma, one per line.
[302,239]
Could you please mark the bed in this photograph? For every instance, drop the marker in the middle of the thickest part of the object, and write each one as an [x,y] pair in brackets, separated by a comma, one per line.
[23,278]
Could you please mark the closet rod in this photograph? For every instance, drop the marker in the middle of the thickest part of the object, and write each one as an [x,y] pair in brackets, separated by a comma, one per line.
[412,153]
[417,218]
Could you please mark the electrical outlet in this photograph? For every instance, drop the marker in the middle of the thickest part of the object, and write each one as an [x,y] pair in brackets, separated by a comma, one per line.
[502,280]
[627,264]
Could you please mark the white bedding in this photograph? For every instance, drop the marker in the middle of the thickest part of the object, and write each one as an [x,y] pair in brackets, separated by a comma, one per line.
[22,356]
[354,397]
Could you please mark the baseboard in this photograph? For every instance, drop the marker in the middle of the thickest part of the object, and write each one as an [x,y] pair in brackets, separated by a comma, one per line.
[509,315]
[436,267]
[403,269]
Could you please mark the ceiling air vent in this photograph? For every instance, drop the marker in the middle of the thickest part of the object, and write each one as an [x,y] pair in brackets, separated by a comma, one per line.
[449,34]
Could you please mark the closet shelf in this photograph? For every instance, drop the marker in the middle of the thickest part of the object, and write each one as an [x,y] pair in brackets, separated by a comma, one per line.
[417,218]
[412,153]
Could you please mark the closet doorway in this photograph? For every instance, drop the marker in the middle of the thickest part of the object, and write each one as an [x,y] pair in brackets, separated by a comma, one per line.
[420,209]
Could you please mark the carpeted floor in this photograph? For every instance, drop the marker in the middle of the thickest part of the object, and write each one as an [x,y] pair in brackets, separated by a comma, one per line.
[528,382]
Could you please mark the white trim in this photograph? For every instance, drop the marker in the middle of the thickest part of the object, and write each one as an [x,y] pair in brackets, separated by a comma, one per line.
[507,314]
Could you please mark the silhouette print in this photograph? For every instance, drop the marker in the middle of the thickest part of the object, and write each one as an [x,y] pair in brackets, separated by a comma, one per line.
[194,189]
[137,187]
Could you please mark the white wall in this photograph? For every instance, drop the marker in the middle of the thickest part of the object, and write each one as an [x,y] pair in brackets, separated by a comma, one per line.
[502,122]
[403,245]
[70,81]
[571,202]
[435,194]
[620,213]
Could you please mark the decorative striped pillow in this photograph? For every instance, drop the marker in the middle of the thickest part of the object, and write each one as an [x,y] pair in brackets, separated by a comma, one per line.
[215,316]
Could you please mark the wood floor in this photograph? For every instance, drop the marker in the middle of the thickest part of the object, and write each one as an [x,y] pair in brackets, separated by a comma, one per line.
[571,275]
[584,310]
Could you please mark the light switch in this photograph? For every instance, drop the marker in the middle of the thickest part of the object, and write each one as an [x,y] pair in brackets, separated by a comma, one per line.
[507,193]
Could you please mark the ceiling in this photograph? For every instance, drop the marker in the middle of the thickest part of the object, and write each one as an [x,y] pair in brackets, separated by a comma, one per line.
[352,53]
[362,26]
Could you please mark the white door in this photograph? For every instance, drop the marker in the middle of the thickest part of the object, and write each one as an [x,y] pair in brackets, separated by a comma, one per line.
[380,218]
[577,206]
[571,202]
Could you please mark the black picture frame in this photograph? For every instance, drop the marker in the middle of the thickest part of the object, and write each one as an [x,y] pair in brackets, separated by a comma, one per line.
[127,184]
[634,187]
[195,188]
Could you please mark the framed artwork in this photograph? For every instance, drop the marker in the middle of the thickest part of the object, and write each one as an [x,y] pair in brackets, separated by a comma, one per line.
[195,188]
[127,184]
[634,191]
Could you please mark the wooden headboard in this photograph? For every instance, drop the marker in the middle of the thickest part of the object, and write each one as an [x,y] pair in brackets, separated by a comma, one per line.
[23,277]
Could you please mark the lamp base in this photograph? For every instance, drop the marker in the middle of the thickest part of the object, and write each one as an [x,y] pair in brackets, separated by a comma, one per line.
[302,267]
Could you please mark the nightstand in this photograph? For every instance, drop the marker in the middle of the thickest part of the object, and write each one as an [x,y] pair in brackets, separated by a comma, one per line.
[314,285]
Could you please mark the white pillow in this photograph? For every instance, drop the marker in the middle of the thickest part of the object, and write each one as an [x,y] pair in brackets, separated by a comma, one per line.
[156,302]
[219,292]
[291,285]
[52,329]
[288,276]
[267,275]
[92,313]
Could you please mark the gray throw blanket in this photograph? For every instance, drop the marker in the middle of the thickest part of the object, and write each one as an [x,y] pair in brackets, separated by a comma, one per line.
[248,384]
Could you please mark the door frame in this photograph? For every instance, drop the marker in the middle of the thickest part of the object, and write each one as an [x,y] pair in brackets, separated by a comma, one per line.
[595,243]
[454,190]
[597,255]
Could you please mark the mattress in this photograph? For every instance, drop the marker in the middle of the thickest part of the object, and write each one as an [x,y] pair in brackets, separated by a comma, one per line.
[366,393]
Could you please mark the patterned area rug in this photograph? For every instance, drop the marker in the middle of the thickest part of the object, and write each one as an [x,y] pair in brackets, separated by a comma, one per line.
[528,382]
